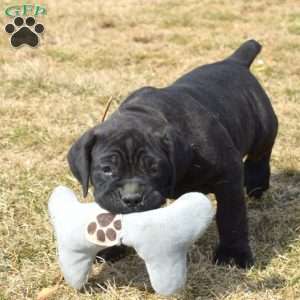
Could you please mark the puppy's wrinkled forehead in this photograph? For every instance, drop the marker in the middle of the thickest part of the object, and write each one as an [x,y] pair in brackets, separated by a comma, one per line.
[128,145]
[130,141]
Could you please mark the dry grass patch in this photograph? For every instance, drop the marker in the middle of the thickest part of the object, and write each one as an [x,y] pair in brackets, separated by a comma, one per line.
[93,51]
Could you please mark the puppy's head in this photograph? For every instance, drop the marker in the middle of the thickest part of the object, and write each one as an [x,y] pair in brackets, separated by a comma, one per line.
[130,170]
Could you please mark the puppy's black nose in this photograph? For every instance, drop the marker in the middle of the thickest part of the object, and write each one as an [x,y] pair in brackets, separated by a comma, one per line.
[132,200]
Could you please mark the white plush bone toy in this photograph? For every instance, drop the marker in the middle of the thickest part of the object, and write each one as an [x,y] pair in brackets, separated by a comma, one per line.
[161,237]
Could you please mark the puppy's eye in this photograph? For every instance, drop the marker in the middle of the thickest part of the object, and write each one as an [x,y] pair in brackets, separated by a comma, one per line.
[153,169]
[107,170]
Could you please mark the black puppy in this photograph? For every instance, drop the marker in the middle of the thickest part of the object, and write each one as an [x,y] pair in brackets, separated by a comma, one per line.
[190,136]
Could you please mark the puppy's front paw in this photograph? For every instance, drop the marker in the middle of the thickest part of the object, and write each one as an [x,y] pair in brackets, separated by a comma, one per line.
[241,256]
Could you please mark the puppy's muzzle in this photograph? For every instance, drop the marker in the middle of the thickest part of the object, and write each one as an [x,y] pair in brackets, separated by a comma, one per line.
[132,193]
[132,200]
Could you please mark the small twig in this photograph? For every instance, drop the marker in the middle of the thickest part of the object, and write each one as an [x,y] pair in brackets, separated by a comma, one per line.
[106,109]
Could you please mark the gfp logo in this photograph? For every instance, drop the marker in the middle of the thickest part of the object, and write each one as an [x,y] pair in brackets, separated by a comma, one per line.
[25,10]
[24,30]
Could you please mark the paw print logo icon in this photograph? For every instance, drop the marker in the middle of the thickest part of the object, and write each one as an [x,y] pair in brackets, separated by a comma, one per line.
[24,32]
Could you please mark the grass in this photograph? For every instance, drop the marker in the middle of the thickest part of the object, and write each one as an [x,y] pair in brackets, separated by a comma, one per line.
[91,52]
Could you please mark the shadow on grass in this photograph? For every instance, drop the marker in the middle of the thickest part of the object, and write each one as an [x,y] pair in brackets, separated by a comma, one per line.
[274,223]
[129,272]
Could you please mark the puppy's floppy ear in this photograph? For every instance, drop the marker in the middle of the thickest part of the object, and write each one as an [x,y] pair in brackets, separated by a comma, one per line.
[179,153]
[79,158]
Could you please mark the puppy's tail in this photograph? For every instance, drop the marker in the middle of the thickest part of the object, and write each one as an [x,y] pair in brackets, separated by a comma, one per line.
[246,53]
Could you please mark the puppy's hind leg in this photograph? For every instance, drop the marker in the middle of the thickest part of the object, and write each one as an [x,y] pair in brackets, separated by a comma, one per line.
[257,174]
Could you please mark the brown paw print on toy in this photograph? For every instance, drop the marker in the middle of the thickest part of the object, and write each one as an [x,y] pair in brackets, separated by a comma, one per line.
[104,229]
